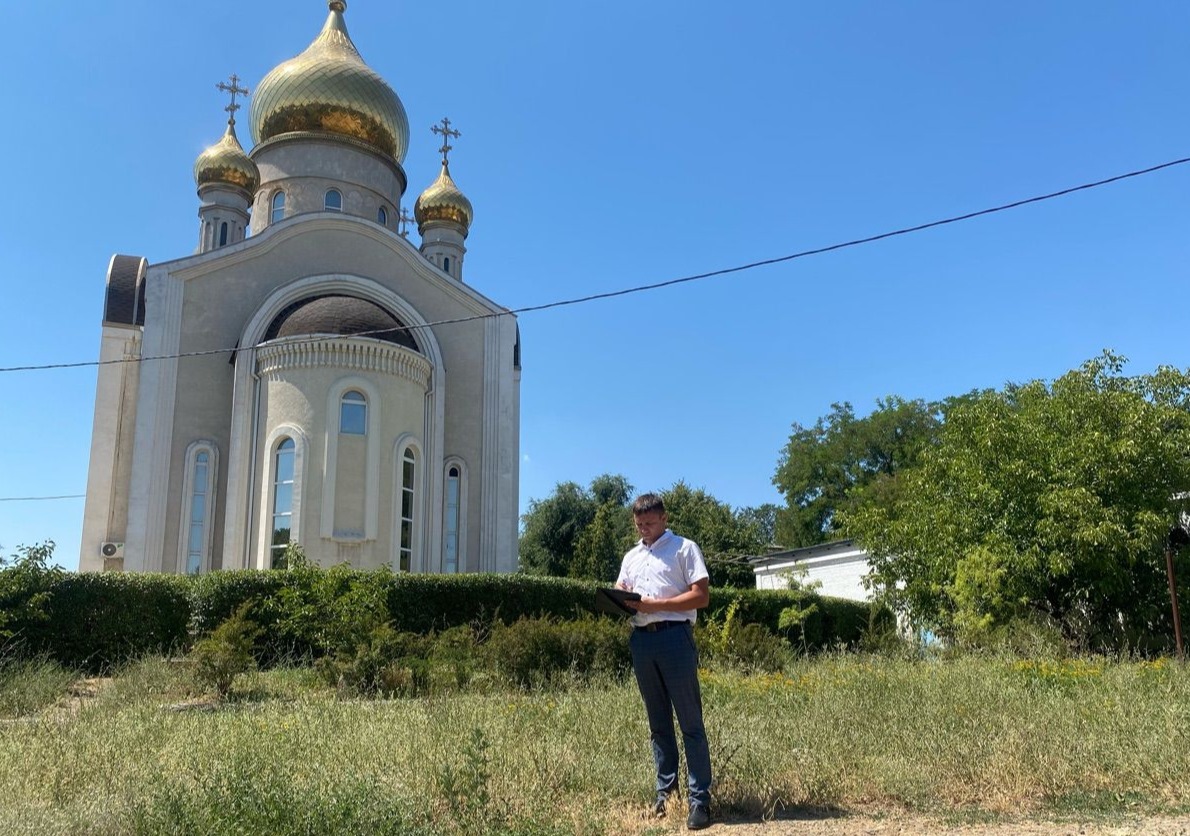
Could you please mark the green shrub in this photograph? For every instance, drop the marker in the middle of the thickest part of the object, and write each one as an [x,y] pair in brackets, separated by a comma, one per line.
[749,647]
[536,651]
[226,653]
[386,662]
[455,651]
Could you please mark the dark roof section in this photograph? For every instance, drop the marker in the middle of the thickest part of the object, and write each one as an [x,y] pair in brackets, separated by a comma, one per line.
[124,301]
[341,316]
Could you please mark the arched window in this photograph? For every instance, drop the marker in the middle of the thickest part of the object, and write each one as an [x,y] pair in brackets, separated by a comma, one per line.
[282,501]
[446,263]
[353,413]
[408,495]
[450,523]
[382,216]
[278,211]
[199,510]
[333,202]
[223,234]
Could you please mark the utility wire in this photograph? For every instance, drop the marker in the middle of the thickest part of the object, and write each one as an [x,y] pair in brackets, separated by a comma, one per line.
[40,498]
[855,242]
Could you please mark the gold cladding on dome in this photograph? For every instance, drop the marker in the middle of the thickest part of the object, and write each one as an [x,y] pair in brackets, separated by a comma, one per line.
[443,201]
[329,88]
[225,162]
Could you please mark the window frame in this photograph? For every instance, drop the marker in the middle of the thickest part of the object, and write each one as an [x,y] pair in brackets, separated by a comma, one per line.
[326,201]
[359,400]
[186,533]
[275,549]
[277,206]
[449,565]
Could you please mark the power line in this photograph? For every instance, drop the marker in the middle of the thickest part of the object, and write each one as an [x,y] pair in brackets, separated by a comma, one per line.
[855,242]
[41,498]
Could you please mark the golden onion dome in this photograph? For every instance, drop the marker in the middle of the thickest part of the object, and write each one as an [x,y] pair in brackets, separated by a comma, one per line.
[225,162]
[329,88]
[443,201]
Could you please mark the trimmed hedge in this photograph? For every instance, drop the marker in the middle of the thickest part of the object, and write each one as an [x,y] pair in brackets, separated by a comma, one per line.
[92,622]
[95,621]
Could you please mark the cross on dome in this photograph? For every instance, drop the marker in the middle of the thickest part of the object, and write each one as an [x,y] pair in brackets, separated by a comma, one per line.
[447,135]
[403,221]
[234,88]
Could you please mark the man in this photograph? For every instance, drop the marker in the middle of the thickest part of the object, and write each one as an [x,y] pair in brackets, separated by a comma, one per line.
[669,574]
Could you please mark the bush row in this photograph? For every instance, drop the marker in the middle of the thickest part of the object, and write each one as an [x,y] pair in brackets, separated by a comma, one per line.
[93,621]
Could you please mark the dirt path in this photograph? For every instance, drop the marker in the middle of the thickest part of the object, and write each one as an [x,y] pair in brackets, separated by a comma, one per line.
[900,824]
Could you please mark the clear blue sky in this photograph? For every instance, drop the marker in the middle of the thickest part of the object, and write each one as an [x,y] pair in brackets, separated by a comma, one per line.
[619,143]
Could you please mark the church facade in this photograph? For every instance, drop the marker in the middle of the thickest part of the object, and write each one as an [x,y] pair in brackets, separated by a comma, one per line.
[308,375]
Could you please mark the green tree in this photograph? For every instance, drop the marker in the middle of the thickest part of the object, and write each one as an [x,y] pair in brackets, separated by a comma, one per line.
[603,543]
[552,527]
[834,465]
[725,536]
[1044,502]
[764,517]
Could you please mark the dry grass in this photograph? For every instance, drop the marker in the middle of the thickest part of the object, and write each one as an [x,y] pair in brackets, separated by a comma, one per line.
[285,756]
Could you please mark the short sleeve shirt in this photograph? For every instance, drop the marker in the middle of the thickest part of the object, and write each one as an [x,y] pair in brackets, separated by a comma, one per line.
[668,567]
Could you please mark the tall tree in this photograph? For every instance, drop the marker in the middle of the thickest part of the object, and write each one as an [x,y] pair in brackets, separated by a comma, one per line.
[1046,500]
[827,468]
[725,537]
[551,528]
[603,543]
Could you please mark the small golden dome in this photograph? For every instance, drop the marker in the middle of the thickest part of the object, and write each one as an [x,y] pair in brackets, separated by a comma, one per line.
[329,88]
[225,162]
[443,201]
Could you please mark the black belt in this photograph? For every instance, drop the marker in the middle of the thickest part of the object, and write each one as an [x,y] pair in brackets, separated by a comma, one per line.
[654,626]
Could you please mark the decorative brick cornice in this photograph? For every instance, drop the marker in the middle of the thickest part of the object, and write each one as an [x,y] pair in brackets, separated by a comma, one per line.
[356,354]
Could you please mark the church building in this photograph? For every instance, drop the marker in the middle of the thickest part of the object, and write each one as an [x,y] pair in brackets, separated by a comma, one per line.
[308,375]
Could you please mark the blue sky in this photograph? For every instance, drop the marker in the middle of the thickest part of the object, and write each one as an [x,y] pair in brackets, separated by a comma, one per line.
[619,143]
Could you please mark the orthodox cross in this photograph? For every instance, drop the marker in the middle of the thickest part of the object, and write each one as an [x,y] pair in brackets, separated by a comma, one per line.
[448,134]
[403,218]
[234,88]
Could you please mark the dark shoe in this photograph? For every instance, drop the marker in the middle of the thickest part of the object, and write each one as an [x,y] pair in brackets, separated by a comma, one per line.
[699,817]
[659,805]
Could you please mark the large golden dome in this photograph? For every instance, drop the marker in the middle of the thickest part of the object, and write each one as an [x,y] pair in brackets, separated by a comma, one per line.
[225,162]
[329,88]
[443,201]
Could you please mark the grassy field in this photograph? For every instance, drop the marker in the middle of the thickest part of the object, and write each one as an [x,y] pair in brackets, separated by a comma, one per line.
[142,754]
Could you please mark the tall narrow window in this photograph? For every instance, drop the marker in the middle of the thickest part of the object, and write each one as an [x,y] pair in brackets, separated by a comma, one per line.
[446,264]
[278,211]
[451,523]
[408,473]
[333,202]
[382,216]
[353,414]
[200,511]
[282,501]
[223,234]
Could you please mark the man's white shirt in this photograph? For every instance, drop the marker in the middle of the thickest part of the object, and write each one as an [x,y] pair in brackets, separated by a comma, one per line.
[667,568]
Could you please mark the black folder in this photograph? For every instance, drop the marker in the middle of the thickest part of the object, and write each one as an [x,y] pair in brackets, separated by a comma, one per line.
[611,601]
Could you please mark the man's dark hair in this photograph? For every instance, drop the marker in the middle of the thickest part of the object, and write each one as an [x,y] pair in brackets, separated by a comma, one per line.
[648,503]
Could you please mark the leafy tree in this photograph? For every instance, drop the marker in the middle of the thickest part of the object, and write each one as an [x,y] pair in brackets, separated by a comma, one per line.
[584,533]
[725,536]
[603,543]
[26,580]
[1042,502]
[830,467]
[552,527]
[764,517]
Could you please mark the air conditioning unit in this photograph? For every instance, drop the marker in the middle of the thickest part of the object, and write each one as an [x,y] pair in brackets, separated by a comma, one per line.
[112,550]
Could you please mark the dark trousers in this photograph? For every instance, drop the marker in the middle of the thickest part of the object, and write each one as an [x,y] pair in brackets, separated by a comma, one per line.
[666,667]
